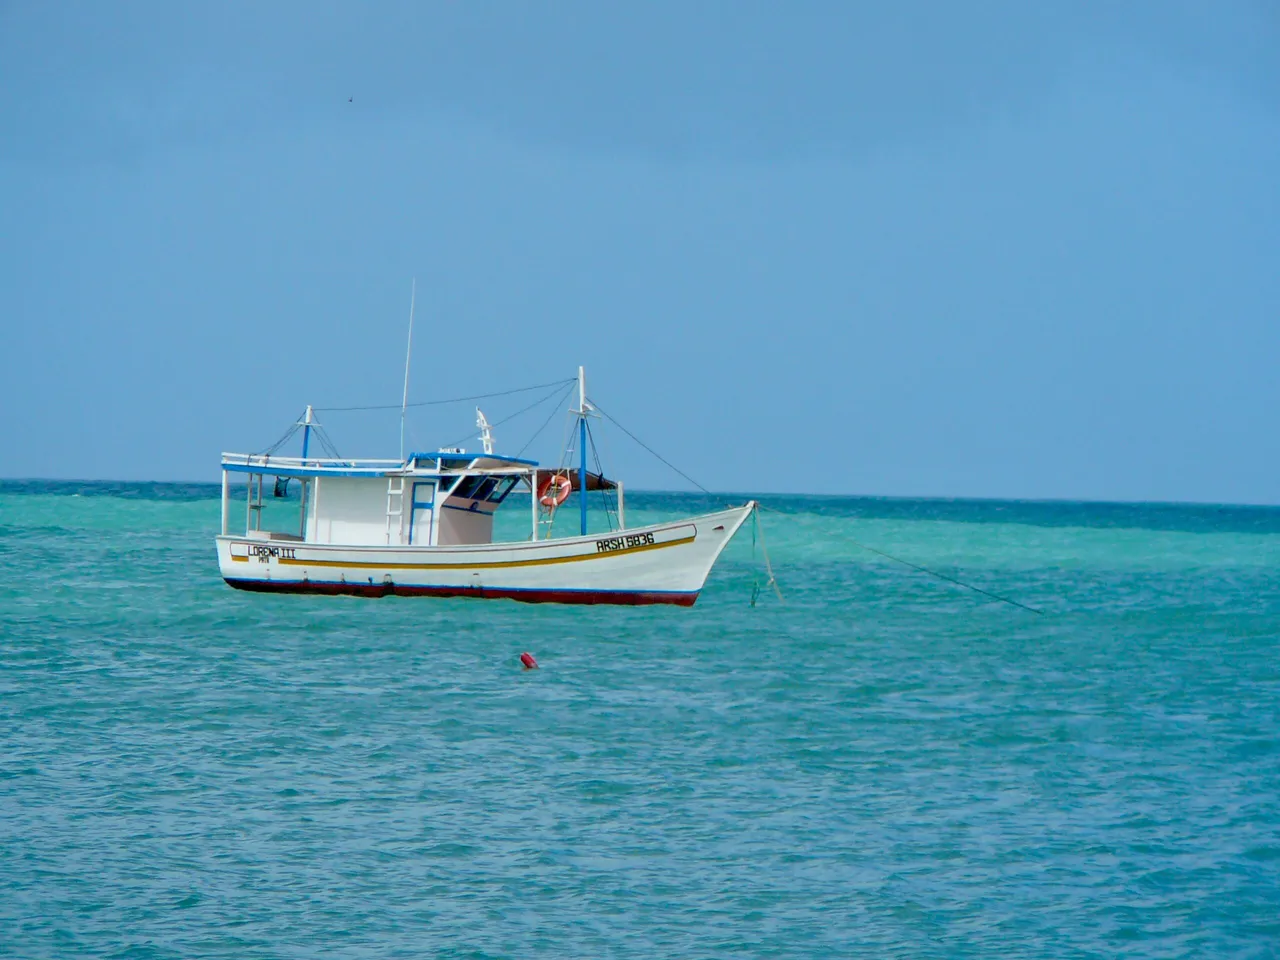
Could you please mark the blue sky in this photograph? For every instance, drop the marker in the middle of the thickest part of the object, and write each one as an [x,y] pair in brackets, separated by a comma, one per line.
[999,249]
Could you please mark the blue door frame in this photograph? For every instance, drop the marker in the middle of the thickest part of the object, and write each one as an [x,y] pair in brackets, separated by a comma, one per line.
[416,504]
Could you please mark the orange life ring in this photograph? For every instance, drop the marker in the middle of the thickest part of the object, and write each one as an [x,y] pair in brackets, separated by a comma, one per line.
[551,498]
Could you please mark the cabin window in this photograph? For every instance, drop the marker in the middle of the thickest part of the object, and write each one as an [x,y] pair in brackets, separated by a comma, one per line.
[501,489]
[485,488]
[467,488]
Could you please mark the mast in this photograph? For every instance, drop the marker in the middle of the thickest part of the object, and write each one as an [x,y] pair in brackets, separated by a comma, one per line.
[303,483]
[582,447]
[408,352]
[306,432]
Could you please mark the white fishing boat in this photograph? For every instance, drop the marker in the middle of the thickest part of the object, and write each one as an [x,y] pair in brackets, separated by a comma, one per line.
[423,525]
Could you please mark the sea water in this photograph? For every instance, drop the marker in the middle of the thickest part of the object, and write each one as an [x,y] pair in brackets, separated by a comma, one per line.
[885,764]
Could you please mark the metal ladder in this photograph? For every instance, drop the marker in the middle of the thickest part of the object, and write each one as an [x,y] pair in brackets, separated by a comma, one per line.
[395,506]
[253,514]
[546,516]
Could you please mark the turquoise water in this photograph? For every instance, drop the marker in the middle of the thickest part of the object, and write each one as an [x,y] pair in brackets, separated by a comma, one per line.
[886,765]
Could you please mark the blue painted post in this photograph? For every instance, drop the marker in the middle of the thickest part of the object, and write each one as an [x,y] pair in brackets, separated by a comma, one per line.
[302,481]
[582,469]
[306,433]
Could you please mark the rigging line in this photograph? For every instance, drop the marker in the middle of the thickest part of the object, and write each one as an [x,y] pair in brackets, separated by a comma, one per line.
[282,441]
[600,445]
[436,403]
[610,507]
[569,446]
[566,450]
[535,403]
[550,417]
[651,450]
[595,454]
[327,444]
[943,576]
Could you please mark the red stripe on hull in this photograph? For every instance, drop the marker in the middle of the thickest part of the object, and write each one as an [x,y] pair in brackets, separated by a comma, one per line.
[615,597]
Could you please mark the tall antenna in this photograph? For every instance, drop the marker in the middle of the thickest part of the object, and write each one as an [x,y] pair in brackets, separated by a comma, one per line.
[408,352]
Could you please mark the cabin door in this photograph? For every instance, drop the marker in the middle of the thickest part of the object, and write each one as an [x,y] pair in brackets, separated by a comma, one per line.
[423,499]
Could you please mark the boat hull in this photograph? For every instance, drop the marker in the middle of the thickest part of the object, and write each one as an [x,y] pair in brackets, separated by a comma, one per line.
[658,564]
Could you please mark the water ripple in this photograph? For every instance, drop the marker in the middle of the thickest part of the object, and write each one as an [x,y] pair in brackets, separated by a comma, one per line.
[885,765]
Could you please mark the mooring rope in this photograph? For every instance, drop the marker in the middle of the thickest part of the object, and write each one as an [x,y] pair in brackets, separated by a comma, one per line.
[943,576]
[764,551]
[888,556]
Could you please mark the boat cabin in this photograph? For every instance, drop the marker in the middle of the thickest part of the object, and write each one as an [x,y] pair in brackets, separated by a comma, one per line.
[446,498]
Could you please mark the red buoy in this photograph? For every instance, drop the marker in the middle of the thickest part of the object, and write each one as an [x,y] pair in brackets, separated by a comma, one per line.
[527,659]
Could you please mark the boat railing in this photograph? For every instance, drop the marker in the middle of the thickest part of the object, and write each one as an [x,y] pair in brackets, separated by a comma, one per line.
[267,461]
[270,463]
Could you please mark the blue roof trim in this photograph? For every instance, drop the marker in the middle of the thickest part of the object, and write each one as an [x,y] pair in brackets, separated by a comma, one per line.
[468,457]
[287,470]
[283,471]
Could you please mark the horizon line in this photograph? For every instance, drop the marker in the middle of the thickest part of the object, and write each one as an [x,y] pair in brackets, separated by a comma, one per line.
[761,493]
